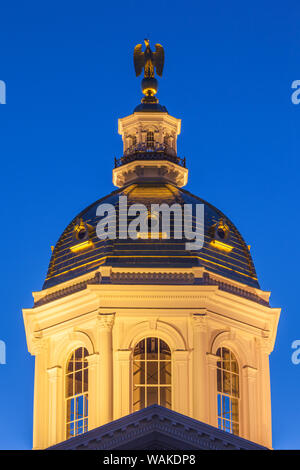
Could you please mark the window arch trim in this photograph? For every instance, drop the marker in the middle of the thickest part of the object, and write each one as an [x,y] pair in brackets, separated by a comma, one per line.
[162,330]
[69,343]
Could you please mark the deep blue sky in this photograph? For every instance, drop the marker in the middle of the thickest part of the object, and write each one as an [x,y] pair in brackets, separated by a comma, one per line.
[69,74]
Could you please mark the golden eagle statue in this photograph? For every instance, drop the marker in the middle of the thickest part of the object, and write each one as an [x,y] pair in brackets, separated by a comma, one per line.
[148,60]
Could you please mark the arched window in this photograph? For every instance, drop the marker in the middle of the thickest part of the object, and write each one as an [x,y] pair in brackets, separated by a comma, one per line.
[151,374]
[77,393]
[133,141]
[228,391]
[150,140]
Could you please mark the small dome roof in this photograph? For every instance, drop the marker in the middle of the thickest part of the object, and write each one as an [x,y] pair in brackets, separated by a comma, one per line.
[66,264]
[150,107]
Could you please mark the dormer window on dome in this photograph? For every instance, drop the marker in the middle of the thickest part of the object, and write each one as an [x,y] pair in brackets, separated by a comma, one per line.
[81,236]
[220,236]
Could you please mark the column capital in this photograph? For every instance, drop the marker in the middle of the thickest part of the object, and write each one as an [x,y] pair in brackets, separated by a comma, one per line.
[105,321]
[200,320]
[39,344]
[265,342]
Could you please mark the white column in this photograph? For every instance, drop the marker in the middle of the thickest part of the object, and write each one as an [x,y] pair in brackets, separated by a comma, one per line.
[122,383]
[200,399]
[105,383]
[40,426]
[55,412]
[93,402]
[212,360]
[265,425]
[139,134]
[180,382]
[161,134]
[250,409]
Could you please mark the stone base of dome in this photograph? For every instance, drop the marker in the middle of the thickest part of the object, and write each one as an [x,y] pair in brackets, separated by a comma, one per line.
[158,171]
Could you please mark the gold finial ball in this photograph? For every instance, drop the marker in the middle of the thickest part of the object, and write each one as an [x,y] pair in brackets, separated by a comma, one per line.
[149,86]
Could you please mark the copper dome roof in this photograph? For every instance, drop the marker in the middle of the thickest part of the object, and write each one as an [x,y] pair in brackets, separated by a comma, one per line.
[66,264]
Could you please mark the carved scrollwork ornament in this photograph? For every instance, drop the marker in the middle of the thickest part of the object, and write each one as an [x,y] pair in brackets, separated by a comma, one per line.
[105,321]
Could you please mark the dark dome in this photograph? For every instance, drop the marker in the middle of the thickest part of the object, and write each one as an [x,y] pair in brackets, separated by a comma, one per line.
[236,265]
[150,107]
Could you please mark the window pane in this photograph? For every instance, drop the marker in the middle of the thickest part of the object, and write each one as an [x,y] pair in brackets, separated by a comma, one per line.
[150,139]
[227,425]
[70,367]
[138,398]
[78,354]
[80,426]
[86,406]
[152,395]
[69,385]
[85,425]
[78,382]
[152,349]
[219,380]
[152,372]
[235,385]
[80,406]
[165,372]
[219,405]
[225,354]
[78,359]
[226,377]
[235,428]
[85,380]
[139,373]
[165,396]
[234,366]
[139,350]
[235,410]
[226,405]
[70,410]
[164,350]
[70,430]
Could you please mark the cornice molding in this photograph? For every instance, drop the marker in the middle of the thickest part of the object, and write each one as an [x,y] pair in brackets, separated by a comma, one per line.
[159,277]
[96,279]
[150,277]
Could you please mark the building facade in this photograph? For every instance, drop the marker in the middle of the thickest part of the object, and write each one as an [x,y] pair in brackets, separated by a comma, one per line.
[122,324]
